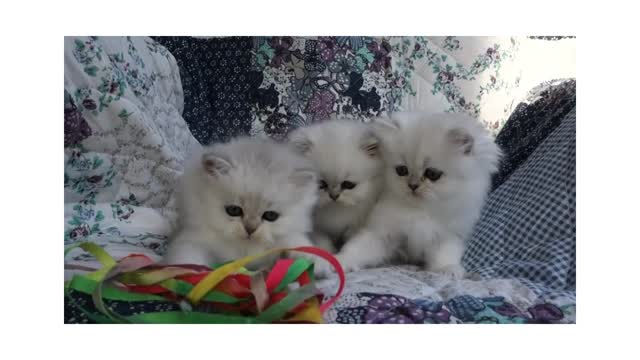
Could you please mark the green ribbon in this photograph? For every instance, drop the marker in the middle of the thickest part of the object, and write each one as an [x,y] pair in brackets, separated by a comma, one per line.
[279,310]
[179,317]
[95,285]
[88,286]
[296,269]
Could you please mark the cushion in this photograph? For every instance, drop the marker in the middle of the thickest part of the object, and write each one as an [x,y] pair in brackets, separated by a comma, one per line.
[527,228]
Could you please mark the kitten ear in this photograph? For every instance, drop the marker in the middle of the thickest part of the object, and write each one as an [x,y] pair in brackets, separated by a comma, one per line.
[300,141]
[302,177]
[215,165]
[461,139]
[370,143]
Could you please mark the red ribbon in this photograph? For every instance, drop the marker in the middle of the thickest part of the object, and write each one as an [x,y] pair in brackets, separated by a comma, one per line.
[238,285]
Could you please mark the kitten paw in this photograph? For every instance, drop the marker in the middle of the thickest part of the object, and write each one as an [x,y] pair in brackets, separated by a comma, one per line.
[322,269]
[455,272]
[347,265]
[323,242]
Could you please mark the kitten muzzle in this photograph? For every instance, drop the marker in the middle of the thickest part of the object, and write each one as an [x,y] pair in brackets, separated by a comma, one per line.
[250,228]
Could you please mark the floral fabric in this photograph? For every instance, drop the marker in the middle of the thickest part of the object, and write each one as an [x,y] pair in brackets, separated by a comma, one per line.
[266,86]
[458,74]
[371,308]
[299,81]
[125,142]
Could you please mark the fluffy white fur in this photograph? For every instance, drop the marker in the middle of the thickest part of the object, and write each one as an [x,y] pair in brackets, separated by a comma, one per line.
[431,223]
[258,176]
[340,151]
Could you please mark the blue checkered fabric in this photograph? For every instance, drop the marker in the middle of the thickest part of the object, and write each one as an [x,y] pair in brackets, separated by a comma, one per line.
[527,228]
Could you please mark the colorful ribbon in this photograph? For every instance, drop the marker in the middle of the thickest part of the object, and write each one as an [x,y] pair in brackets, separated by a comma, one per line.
[235,294]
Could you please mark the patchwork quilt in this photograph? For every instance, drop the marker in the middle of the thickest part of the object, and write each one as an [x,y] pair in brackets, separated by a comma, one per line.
[135,107]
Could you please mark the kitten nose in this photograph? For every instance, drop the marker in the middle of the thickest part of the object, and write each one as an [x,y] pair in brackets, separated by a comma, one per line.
[334,197]
[413,187]
[250,229]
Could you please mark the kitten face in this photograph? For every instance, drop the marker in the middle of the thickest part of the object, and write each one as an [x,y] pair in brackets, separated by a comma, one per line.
[346,156]
[432,157]
[256,191]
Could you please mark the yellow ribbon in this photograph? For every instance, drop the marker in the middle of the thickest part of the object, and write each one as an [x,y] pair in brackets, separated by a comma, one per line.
[311,312]
[215,277]
[102,256]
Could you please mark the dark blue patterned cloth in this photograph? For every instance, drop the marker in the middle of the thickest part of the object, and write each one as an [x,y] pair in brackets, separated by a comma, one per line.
[77,305]
[527,228]
[531,123]
[266,86]
[215,75]
[372,308]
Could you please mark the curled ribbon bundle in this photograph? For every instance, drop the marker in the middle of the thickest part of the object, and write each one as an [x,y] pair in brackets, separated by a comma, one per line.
[230,293]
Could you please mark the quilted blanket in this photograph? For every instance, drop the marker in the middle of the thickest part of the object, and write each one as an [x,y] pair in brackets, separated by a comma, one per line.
[135,108]
[125,141]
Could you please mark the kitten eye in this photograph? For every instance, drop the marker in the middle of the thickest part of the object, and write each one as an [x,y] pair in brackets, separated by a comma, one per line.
[270,216]
[347,185]
[432,174]
[322,184]
[233,210]
[402,170]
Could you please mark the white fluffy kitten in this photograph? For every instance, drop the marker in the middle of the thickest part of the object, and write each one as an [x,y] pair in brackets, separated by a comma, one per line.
[347,158]
[437,175]
[242,198]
